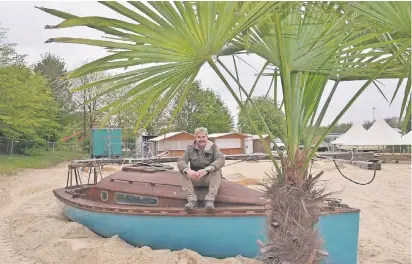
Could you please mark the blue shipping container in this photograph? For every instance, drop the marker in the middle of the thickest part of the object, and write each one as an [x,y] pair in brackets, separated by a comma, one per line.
[106,142]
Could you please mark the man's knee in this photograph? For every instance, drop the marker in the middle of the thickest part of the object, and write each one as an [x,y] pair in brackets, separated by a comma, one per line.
[214,181]
[183,175]
[186,181]
[216,175]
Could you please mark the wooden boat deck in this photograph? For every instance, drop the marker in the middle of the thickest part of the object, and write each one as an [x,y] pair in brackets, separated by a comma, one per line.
[167,184]
[67,197]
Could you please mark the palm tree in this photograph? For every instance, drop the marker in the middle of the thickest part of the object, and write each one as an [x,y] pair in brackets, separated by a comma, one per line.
[308,44]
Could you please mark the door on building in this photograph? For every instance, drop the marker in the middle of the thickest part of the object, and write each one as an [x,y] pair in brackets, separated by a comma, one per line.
[249,145]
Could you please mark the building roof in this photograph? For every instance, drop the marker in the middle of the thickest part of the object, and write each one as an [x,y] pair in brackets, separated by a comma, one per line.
[397,130]
[379,134]
[168,135]
[353,137]
[407,139]
[218,135]
[257,136]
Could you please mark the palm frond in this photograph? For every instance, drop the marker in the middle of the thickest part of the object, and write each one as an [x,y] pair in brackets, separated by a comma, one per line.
[310,47]
[168,41]
[392,23]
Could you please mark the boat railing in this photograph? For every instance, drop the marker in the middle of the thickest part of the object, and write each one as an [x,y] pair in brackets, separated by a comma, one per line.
[74,170]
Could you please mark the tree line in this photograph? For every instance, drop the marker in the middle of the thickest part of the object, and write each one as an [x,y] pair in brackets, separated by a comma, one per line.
[38,106]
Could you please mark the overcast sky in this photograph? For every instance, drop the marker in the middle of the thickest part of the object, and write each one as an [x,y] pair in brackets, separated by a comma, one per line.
[26,28]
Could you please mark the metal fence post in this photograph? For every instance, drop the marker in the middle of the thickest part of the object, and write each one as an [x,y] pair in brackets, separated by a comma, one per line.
[11,150]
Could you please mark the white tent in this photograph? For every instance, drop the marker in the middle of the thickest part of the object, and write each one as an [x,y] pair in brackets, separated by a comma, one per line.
[353,137]
[381,134]
[407,139]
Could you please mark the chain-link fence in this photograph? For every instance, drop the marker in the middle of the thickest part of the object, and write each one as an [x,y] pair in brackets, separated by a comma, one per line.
[16,146]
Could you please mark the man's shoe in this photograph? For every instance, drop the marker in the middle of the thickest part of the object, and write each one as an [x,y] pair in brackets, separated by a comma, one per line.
[190,205]
[209,205]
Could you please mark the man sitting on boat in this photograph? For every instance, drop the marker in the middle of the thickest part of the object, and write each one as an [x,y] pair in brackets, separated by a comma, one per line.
[206,162]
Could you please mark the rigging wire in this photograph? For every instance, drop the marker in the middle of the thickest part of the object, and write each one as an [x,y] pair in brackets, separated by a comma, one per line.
[249,158]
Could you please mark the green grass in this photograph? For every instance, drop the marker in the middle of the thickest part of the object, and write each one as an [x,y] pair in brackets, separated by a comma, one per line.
[10,165]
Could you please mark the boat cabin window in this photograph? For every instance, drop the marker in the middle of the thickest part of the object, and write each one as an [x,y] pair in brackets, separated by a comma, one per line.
[132,199]
[104,196]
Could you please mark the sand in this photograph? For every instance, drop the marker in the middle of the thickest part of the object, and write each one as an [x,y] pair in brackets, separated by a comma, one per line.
[33,230]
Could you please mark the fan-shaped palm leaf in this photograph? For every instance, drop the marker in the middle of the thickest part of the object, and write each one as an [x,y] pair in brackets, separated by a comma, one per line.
[169,41]
[311,46]
[391,21]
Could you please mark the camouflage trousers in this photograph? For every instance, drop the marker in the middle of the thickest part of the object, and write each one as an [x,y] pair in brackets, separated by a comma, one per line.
[211,180]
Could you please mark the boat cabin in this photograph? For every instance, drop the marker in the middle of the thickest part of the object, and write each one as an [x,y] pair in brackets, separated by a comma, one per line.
[151,188]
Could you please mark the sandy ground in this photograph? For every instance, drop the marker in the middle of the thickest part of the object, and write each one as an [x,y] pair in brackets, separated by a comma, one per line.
[33,230]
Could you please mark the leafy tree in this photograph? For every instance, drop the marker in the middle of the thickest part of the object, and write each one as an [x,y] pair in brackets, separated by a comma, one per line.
[273,117]
[8,54]
[52,69]
[202,107]
[338,128]
[395,123]
[87,102]
[367,124]
[341,128]
[27,108]
[126,117]
[392,121]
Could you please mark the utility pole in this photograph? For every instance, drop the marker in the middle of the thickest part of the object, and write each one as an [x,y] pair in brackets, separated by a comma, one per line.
[373,114]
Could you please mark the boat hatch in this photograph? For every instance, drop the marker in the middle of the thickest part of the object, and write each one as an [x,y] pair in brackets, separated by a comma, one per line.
[133,199]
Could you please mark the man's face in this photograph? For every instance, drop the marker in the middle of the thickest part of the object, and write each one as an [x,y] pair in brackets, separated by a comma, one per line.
[201,139]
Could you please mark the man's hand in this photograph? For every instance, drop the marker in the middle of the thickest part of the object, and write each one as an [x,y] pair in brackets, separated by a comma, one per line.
[192,174]
[201,173]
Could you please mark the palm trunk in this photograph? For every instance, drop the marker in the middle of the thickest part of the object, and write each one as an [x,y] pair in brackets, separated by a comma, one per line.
[294,207]
[294,170]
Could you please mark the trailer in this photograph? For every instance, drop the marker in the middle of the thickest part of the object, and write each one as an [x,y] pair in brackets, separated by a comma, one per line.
[106,143]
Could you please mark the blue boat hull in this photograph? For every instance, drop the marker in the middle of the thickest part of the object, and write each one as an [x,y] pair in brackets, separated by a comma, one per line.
[340,233]
[220,234]
[218,237]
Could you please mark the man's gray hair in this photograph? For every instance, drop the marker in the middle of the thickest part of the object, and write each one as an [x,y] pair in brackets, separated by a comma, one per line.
[201,129]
